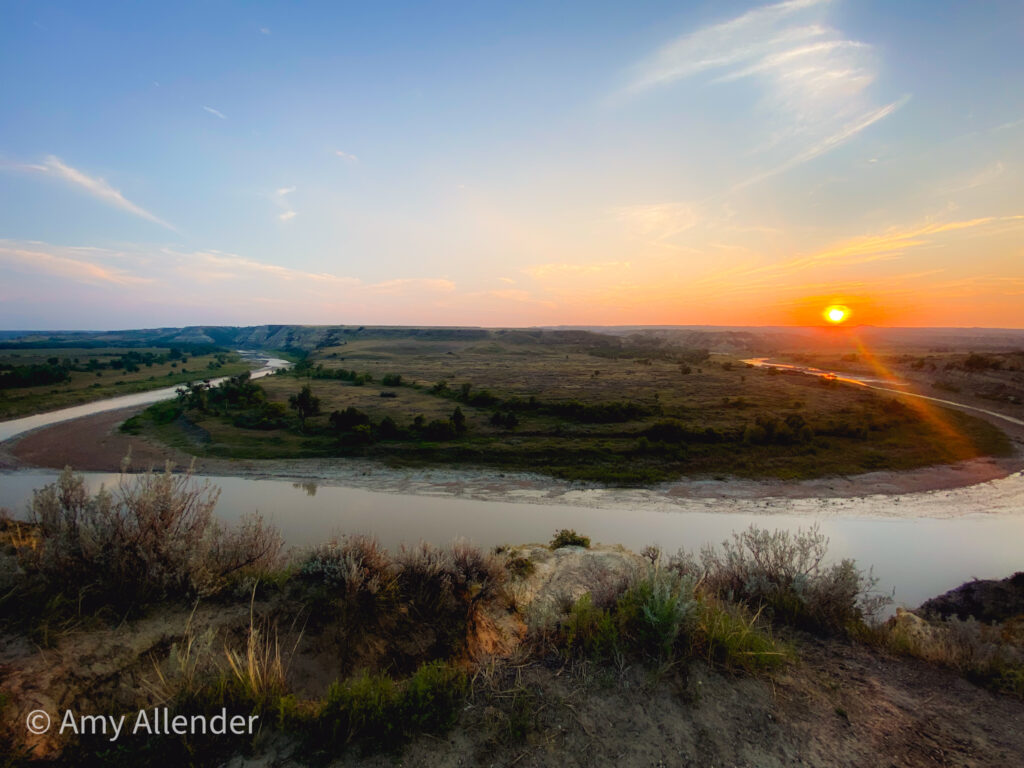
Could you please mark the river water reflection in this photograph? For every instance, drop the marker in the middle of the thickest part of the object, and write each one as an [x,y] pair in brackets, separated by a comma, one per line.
[919,557]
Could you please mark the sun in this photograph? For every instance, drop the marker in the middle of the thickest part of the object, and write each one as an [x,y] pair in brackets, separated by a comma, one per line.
[836,313]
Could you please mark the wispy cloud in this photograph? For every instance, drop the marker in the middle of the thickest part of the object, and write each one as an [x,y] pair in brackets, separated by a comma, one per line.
[560,270]
[981,178]
[813,80]
[65,263]
[280,196]
[660,220]
[844,134]
[747,39]
[402,285]
[264,30]
[215,112]
[96,186]
[230,266]
[864,249]
[348,158]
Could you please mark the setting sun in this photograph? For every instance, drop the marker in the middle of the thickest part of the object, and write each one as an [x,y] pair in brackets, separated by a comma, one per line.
[836,313]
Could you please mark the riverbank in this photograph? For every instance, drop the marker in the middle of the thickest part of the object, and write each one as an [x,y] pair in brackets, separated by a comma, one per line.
[93,443]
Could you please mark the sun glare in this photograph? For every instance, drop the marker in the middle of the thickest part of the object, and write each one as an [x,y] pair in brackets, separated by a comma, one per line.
[836,313]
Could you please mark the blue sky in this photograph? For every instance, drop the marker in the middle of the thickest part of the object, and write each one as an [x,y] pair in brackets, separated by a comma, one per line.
[514,164]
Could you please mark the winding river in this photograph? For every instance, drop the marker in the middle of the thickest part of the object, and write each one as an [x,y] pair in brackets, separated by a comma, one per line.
[15,427]
[919,544]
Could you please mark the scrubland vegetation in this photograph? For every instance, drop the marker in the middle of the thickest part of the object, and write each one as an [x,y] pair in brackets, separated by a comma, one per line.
[582,406]
[993,376]
[36,377]
[348,648]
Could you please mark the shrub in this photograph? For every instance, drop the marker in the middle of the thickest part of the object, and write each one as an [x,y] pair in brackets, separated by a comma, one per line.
[354,575]
[784,573]
[432,698]
[375,710]
[728,634]
[590,631]
[442,590]
[520,567]
[153,537]
[365,706]
[348,419]
[645,620]
[440,430]
[567,537]
[507,420]
[655,610]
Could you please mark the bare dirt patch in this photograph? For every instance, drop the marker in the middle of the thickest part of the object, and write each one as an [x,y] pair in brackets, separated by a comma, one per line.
[89,443]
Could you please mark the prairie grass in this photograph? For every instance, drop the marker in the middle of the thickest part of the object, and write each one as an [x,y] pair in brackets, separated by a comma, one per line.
[989,654]
[729,635]
[259,671]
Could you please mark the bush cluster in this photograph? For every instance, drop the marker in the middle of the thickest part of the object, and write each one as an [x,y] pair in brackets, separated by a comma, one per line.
[152,537]
[785,574]
[661,616]
[433,594]
[355,427]
[567,537]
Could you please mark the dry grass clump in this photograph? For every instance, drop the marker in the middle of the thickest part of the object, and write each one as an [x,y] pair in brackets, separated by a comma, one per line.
[152,537]
[784,573]
[990,654]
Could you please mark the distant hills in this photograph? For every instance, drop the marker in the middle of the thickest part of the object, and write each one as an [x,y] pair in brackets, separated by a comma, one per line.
[723,339]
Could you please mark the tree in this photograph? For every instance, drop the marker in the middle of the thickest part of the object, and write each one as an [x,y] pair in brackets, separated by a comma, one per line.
[305,403]
[459,421]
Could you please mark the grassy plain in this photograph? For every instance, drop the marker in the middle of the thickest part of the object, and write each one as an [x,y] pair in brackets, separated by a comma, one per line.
[611,410]
[98,373]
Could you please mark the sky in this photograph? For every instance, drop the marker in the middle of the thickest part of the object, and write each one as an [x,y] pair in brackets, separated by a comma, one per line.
[511,164]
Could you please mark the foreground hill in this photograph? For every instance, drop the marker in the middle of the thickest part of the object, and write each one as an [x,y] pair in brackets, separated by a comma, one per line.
[537,655]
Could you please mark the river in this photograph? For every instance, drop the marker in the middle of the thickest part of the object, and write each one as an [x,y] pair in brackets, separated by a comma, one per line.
[15,427]
[922,553]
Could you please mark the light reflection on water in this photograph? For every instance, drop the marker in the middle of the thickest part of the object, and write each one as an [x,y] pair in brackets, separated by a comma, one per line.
[919,557]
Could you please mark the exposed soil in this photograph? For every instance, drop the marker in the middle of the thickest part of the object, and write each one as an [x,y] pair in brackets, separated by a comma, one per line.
[840,705]
[89,443]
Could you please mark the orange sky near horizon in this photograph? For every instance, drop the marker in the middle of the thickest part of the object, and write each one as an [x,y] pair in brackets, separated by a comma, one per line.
[744,164]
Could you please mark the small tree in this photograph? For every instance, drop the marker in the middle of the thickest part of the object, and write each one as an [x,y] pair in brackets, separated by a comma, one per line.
[305,403]
[459,421]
